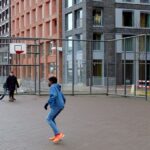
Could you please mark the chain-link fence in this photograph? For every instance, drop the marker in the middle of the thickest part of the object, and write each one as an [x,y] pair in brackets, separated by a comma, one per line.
[120,66]
[25,66]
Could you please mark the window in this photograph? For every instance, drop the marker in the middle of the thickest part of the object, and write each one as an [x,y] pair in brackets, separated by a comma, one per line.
[128,0]
[13,11]
[17,8]
[42,49]
[69,44]
[142,43]
[34,32]
[128,43]
[22,5]
[79,44]
[128,19]
[6,2]
[97,68]
[148,43]
[69,25]
[28,18]
[96,41]
[52,67]
[7,14]
[49,47]
[78,1]
[78,18]
[79,68]
[33,15]
[29,50]
[97,72]
[7,27]
[54,8]
[28,33]
[22,34]
[129,72]
[42,70]
[145,20]
[47,29]
[54,26]
[47,9]
[68,3]
[142,70]
[40,15]
[17,24]
[145,1]
[22,21]
[40,30]
[97,17]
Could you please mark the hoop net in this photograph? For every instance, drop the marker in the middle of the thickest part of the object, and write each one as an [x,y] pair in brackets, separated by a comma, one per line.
[19,51]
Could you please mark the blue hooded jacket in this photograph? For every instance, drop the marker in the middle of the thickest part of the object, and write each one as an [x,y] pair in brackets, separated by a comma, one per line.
[56,99]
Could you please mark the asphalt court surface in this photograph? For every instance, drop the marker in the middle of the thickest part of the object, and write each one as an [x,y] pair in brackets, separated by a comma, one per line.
[89,123]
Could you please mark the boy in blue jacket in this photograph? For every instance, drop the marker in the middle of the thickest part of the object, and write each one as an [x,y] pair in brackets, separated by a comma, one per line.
[57,103]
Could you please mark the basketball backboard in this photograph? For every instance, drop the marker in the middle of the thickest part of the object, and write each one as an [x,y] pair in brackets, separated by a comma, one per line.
[18,48]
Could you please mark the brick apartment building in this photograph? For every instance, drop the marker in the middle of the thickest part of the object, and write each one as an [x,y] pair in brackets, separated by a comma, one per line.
[38,18]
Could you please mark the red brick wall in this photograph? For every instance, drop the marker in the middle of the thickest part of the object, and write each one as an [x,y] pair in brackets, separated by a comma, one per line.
[34,19]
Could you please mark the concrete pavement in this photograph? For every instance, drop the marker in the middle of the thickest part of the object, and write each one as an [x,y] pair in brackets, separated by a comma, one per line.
[89,123]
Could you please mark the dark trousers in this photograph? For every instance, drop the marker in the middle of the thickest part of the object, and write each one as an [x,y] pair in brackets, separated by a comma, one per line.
[11,93]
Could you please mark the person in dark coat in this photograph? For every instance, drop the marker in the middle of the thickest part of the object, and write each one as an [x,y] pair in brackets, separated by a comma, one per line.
[12,83]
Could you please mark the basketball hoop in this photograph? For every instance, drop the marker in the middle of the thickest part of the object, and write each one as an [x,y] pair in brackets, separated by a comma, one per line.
[18,48]
[19,51]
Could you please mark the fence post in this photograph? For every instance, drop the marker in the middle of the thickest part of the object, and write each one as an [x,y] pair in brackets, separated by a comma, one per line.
[39,51]
[107,75]
[115,70]
[9,68]
[134,73]
[91,70]
[145,67]
[125,90]
[56,59]
[35,76]
[73,69]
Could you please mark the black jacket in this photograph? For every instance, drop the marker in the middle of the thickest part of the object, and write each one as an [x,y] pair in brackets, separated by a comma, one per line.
[11,83]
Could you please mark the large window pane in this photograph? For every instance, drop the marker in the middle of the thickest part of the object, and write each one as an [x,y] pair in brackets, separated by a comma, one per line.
[128,19]
[97,17]
[79,43]
[69,24]
[78,1]
[96,41]
[142,43]
[97,68]
[128,0]
[69,47]
[148,43]
[145,20]
[78,18]
[145,1]
[69,44]
[129,72]
[97,72]
[128,43]
[68,3]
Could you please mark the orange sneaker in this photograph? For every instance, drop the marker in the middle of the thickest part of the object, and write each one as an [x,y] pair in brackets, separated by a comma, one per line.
[58,137]
[52,138]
